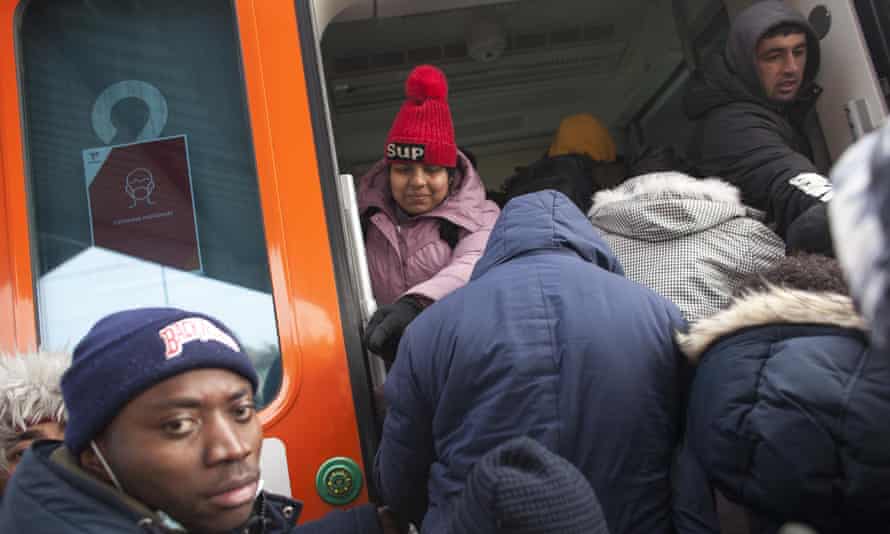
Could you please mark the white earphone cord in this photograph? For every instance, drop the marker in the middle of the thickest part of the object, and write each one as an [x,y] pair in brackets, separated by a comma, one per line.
[106,466]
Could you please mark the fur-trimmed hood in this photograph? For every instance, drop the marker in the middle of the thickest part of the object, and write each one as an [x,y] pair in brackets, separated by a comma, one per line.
[776,305]
[669,184]
[666,205]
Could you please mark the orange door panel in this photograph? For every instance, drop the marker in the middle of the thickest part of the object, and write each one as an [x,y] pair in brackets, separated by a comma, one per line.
[319,421]
[17,325]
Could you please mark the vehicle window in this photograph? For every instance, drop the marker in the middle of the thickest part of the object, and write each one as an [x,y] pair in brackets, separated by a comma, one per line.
[143,185]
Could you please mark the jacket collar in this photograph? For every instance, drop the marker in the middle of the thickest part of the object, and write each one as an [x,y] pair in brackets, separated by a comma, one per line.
[774,306]
[64,460]
[271,512]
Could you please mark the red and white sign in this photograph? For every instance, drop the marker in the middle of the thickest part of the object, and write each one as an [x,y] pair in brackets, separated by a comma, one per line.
[141,201]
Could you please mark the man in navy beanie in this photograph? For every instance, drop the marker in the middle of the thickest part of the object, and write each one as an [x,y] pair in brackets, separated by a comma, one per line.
[162,437]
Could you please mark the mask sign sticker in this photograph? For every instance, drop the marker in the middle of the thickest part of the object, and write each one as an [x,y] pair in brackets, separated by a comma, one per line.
[140,194]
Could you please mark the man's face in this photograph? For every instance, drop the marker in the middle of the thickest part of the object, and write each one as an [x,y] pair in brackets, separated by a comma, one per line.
[190,446]
[781,62]
[46,430]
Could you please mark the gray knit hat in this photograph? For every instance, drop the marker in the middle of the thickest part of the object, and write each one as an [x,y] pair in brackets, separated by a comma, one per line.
[522,488]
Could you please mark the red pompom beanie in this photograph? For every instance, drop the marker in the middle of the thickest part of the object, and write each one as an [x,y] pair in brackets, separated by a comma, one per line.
[423,131]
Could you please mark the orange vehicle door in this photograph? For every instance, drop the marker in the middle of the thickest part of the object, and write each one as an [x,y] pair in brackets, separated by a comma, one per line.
[177,153]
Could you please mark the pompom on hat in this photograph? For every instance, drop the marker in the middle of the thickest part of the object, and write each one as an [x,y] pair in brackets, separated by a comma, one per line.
[128,352]
[423,131]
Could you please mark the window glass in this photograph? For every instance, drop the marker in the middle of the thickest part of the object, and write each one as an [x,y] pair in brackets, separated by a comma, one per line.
[142,177]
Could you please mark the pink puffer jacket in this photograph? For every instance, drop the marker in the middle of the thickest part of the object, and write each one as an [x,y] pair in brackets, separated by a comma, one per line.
[411,258]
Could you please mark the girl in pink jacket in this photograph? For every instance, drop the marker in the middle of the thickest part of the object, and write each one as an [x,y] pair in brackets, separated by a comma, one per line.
[424,212]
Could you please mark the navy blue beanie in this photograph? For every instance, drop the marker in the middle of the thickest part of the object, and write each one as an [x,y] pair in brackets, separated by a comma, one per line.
[522,488]
[128,352]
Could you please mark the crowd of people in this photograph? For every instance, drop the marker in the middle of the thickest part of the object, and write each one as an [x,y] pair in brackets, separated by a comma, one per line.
[632,348]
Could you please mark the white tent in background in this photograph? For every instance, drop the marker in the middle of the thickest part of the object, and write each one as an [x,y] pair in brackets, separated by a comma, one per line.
[97,282]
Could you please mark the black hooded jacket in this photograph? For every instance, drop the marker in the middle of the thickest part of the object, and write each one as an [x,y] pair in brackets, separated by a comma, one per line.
[745,138]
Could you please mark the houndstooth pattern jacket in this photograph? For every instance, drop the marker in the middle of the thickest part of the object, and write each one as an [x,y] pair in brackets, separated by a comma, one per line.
[690,240]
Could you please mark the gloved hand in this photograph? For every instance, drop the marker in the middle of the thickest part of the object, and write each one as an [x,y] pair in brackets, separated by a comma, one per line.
[386,326]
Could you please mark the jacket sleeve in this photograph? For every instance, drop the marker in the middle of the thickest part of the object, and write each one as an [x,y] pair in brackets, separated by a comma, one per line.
[464,257]
[359,520]
[405,454]
[745,147]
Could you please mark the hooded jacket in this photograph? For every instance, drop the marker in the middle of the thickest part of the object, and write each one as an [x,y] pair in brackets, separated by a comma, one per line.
[546,341]
[690,240]
[51,494]
[860,220]
[410,257]
[745,138]
[788,415]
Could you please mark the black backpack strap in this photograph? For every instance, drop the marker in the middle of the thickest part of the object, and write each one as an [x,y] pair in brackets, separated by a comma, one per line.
[449,233]
[365,220]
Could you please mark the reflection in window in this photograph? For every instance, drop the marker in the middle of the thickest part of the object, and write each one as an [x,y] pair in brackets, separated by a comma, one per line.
[142,175]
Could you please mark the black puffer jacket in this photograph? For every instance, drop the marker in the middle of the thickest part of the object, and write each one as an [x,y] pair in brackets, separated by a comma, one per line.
[746,139]
[788,416]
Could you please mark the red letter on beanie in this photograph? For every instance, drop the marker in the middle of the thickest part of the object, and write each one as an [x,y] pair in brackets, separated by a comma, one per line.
[171,342]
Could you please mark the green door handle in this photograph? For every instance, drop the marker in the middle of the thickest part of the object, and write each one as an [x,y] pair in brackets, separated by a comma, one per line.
[339,481]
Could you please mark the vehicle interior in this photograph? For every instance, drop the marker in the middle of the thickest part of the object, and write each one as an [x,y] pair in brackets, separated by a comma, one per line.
[515,68]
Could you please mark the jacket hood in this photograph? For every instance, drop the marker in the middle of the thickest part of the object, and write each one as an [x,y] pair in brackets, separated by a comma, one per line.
[666,205]
[776,305]
[733,77]
[464,206]
[541,221]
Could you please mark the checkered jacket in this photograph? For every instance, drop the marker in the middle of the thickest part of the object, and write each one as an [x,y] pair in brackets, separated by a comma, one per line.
[690,240]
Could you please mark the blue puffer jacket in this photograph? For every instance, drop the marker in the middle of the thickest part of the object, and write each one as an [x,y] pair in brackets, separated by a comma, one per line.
[789,416]
[548,340]
[50,494]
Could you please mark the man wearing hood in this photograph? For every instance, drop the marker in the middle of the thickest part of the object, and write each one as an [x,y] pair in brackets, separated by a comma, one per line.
[750,104]
[547,340]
